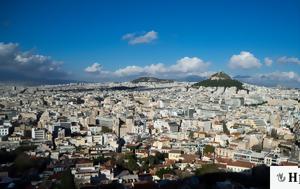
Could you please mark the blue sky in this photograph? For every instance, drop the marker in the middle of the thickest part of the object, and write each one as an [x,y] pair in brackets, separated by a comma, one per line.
[85,39]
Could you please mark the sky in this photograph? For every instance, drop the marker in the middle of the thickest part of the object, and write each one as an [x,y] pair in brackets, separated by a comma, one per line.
[120,40]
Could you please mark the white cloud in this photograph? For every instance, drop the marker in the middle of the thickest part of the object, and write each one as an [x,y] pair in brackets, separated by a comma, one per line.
[28,63]
[188,64]
[284,60]
[27,58]
[8,49]
[244,60]
[268,61]
[134,38]
[183,67]
[94,68]
[155,68]
[129,70]
[128,36]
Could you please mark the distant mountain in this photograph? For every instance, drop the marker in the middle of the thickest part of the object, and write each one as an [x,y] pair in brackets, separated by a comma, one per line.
[152,79]
[9,77]
[191,78]
[220,79]
[241,77]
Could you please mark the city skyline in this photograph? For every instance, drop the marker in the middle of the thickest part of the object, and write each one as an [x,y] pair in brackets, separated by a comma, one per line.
[118,41]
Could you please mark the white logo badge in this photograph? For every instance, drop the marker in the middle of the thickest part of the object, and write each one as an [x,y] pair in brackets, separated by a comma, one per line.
[284,176]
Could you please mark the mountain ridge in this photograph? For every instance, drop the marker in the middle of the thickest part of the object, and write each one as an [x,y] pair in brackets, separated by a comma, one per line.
[151,79]
[220,79]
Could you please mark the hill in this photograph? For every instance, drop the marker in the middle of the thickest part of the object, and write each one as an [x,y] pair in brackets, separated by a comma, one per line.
[151,79]
[220,79]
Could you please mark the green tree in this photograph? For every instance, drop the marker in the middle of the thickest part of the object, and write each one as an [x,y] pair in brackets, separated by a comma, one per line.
[67,181]
[161,156]
[225,129]
[274,134]
[153,160]
[220,83]
[206,168]
[23,163]
[257,148]
[105,129]
[129,161]
[163,171]
[208,149]
[191,134]
[101,159]
[131,165]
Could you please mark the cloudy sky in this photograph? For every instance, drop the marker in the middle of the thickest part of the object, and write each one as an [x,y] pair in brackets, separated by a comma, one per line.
[120,40]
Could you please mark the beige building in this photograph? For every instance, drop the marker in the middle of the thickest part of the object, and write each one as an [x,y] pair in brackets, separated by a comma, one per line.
[175,155]
[224,152]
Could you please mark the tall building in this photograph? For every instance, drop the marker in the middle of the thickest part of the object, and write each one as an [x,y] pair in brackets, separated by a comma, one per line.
[38,134]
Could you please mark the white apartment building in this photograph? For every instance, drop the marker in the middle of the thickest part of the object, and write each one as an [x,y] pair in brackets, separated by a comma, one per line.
[38,134]
[4,130]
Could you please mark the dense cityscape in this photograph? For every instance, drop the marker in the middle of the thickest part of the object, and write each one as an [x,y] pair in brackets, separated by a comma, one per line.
[149,94]
[139,134]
